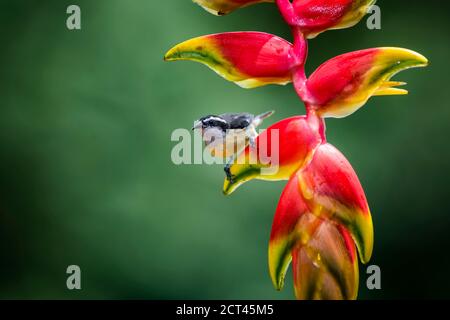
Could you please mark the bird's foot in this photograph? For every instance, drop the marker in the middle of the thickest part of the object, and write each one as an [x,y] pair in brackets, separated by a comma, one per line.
[227,170]
[252,142]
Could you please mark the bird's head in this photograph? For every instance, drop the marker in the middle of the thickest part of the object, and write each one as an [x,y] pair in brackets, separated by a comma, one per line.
[210,122]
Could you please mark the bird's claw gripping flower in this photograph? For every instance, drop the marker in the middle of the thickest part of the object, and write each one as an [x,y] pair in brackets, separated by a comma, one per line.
[285,146]
[323,218]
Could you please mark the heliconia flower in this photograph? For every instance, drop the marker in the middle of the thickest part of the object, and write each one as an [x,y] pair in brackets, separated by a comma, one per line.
[343,84]
[222,7]
[322,252]
[250,59]
[288,144]
[316,16]
[323,221]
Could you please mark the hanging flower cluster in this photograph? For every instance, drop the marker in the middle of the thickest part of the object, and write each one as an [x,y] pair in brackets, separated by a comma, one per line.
[322,222]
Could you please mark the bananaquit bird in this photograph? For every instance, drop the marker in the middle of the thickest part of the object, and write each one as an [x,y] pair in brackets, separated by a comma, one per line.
[226,134]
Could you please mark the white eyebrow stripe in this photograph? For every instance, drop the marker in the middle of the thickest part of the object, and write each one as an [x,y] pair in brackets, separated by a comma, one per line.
[215,118]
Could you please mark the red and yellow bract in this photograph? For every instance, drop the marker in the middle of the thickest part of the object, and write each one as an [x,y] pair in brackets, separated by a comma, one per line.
[250,59]
[343,84]
[297,139]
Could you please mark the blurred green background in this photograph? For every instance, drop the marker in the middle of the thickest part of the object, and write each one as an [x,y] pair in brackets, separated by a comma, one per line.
[86,176]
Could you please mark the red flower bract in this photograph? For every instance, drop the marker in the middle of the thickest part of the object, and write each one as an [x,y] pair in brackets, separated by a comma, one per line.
[321,214]
[343,84]
[316,16]
[250,59]
[295,139]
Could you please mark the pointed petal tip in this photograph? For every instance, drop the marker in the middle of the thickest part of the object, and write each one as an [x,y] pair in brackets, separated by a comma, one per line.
[365,237]
[399,59]
[420,58]
[224,7]
[208,9]
[402,55]
[171,54]
[278,266]
[390,92]
[279,285]
[229,187]
[277,278]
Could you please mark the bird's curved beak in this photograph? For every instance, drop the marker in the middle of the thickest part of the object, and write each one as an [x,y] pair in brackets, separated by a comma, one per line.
[197,125]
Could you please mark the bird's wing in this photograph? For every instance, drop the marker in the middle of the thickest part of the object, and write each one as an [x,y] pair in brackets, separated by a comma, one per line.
[239,120]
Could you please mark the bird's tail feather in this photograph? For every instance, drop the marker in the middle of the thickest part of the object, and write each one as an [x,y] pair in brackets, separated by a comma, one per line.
[265,115]
[259,118]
